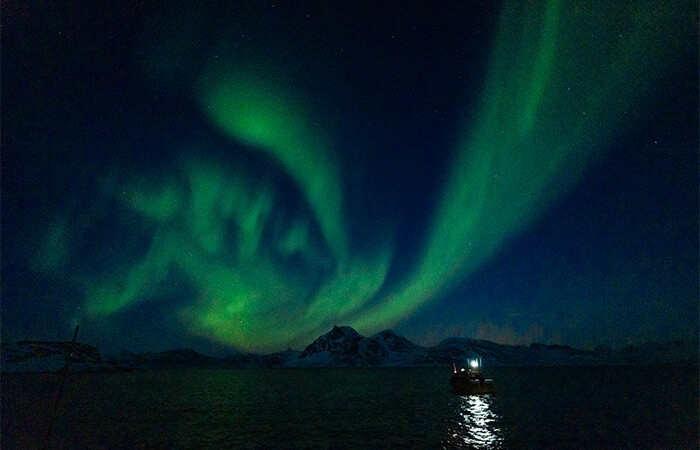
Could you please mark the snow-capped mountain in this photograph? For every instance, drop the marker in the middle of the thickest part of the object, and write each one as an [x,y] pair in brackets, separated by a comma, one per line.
[392,342]
[342,346]
[462,349]
[345,347]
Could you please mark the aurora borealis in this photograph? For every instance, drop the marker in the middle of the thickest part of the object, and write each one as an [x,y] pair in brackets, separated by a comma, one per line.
[246,176]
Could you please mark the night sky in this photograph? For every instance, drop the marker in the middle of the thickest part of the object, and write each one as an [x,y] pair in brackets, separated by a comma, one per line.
[247,175]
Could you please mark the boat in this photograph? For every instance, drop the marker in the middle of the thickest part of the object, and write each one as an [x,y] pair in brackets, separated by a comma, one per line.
[471,381]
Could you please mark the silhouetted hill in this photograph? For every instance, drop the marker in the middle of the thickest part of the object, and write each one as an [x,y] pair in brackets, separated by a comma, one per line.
[345,347]
[48,356]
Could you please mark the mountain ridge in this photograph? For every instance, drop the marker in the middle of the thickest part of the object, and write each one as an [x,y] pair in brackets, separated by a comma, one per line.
[343,347]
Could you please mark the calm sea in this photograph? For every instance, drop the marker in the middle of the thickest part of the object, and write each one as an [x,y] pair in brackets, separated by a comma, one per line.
[355,408]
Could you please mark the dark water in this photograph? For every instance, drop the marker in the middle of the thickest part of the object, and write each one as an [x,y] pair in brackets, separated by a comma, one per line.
[356,408]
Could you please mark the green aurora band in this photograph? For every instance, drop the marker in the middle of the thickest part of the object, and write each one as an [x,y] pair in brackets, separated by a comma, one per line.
[564,79]
[552,103]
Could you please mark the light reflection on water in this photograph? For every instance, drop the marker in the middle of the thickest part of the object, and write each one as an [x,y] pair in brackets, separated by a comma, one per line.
[476,424]
[353,408]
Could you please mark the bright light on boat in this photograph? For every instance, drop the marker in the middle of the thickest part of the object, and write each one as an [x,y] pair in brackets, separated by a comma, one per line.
[474,363]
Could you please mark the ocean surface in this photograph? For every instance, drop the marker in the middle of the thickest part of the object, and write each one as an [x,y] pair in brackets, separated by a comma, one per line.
[570,407]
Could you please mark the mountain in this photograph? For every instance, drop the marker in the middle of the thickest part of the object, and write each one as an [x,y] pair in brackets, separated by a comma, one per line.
[654,353]
[342,346]
[48,356]
[182,357]
[345,347]
[251,360]
[392,342]
[463,349]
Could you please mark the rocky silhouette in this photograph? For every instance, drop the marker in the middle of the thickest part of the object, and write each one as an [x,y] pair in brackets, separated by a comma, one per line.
[345,347]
